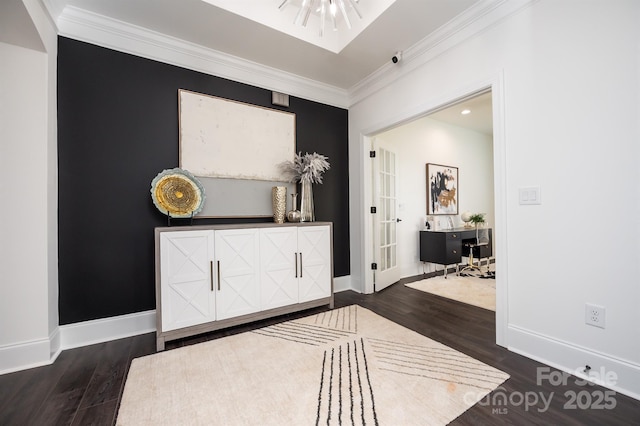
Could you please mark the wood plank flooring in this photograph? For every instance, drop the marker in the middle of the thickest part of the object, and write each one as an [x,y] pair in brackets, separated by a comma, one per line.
[84,385]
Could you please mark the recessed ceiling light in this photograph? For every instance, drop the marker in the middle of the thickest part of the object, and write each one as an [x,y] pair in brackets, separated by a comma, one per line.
[465,111]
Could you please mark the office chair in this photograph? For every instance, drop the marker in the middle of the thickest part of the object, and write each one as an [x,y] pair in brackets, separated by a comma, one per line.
[477,248]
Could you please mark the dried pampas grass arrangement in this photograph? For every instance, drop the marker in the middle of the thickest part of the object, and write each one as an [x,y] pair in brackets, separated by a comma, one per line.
[306,168]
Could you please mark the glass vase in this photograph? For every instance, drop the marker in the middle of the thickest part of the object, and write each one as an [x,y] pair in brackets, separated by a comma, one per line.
[306,202]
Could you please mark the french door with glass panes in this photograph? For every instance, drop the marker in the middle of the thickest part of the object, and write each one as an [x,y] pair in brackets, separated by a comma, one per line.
[385,220]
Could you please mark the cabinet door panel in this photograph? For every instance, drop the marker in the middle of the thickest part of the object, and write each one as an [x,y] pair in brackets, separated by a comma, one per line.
[185,279]
[278,267]
[314,245]
[237,263]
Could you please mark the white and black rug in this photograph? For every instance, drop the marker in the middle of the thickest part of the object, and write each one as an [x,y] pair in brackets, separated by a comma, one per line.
[347,366]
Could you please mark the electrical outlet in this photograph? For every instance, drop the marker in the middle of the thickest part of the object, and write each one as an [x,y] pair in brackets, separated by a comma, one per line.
[594,315]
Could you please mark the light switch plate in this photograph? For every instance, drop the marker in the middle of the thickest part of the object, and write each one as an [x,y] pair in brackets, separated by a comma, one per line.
[529,195]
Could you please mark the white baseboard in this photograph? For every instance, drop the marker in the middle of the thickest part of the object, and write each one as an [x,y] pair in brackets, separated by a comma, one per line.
[616,374]
[106,329]
[55,344]
[36,353]
[44,351]
[24,355]
[102,330]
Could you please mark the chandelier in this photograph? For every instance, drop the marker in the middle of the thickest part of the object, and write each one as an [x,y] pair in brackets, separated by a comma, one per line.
[324,8]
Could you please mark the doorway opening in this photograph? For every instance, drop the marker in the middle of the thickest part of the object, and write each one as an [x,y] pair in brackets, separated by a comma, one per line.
[460,136]
[407,228]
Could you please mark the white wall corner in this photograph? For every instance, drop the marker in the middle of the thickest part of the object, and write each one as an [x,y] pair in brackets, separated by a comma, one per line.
[342,284]
[612,373]
[54,8]
[106,329]
[55,344]
[25,355]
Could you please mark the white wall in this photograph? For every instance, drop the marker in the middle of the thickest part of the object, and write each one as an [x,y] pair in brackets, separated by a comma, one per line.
[28,184]
[570,74]
[429,141]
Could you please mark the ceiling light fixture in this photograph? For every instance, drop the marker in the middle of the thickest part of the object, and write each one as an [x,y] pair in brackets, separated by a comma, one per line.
[323,6]
[465,111]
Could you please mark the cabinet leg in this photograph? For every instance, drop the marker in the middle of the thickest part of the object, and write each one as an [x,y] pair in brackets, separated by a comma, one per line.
[160,344]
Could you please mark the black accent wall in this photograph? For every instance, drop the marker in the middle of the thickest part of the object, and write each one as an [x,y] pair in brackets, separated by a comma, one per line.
[117,129]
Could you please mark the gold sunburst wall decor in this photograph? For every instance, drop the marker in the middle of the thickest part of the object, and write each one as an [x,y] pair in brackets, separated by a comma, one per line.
[177,193]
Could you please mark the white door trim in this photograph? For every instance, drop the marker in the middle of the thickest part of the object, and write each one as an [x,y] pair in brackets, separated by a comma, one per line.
[496,84]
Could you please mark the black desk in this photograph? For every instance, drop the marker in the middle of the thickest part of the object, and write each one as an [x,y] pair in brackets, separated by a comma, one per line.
[447,247]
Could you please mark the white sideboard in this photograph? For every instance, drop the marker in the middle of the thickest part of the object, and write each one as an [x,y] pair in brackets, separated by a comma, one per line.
[218,276]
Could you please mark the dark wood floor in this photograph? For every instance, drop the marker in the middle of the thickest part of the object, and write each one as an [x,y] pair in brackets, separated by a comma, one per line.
[84,385]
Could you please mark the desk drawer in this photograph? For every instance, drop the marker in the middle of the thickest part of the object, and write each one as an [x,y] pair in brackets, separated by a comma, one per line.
[453,236]
[453,248]
[444,248]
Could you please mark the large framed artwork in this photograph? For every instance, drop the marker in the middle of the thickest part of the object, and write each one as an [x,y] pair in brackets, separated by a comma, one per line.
[442,189]
[221,138]
[235,150]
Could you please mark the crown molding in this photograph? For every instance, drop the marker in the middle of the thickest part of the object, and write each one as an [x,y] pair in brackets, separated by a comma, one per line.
[477,18]
[54,9]
[79,24]
[96,29]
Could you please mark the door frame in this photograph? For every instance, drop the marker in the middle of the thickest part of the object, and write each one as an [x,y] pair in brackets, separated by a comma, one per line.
[496,85]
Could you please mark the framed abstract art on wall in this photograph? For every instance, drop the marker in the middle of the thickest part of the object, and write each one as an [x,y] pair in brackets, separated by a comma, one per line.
[442,189]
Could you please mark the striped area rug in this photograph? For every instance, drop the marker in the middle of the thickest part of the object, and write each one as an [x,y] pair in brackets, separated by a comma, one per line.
[347,366]
[472,290]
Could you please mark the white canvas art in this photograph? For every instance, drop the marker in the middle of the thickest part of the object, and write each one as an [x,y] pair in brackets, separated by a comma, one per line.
[220,138]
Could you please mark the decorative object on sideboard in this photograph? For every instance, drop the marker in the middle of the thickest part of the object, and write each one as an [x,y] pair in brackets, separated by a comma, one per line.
[477,219]
[466,218]
[177,193]
[429,223]
[450,222]
[279,200]
[294,214]
[307,210]
[306,169]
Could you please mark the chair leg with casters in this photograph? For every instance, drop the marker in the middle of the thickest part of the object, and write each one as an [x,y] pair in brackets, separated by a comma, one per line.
[476,248]
[484,271]
[471,266]
[489,273]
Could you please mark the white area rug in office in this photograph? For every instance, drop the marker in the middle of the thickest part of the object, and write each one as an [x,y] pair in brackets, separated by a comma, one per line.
[345,366]
[466,289]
